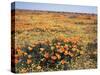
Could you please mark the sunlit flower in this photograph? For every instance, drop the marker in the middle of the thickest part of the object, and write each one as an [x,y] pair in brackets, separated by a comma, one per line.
[20,53]
[16,61]
[38,67]
[66,47]
[46,55]
[58,56]
[81,52]
[25,53]
[23,70]
[63,62]
[52,48]
[71,54]
[66,52]
[60,51]
[52,61]
[58,43]
[53,57]
[66,40]
[29,56]
[30,48]
[16,56]
[18,50]
[29,61]
[61,37]
[42,49]
[57,46]
[62,48]
[74,46]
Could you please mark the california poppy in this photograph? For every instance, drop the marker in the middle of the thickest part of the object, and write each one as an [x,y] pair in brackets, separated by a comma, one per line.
[66,47]
[62,48]
[16,56]
[81,52]
[18,50]
[66,40]
[29,56]
[30,48]
[23,70]
[16,61]
[63,62]
[58,56]
[46,55]
[25,53]
[57,46]
[60,51]
[38,67]
[29,61]
[20,53]
[71,54]
[53,57]
[66,52]
[42,49]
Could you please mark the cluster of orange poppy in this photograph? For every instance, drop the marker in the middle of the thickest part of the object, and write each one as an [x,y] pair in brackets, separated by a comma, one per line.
[59,51]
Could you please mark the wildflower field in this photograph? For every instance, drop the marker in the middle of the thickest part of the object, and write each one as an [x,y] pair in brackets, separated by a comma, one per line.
[53,41]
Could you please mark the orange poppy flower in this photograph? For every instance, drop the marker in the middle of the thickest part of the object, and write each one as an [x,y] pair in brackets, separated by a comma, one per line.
[95,52]
[20,53]
[52,61]
[16,56]
[61,37]
[25,53]
[57,46]
[66,52]
[58,56]
[66,46]
[66,40]
[29,61]
[42,49]
[71,54]
[30,48]
[81,52]
[39,67]
[46,55]
[18,50]
[23,70]
[53,57]
[52,48]
[62,48]
[74,46]
[33,45]
[16,61]
[60,51]
[63,62]
[58,43]
[29,56]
